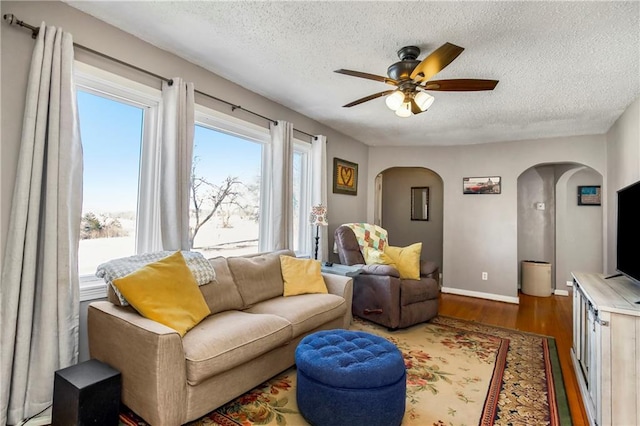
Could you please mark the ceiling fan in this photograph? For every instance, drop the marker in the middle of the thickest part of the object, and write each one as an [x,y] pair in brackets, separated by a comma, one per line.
[411,77]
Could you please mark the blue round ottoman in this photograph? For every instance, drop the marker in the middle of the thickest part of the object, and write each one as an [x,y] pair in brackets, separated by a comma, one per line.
[350,378]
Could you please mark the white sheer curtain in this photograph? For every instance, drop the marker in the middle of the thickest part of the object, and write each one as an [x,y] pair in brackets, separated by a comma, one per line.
[319,188]
[276,228]
[163,222]
[39,292]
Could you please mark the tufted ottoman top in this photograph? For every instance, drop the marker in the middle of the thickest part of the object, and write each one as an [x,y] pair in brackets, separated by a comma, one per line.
[350,359]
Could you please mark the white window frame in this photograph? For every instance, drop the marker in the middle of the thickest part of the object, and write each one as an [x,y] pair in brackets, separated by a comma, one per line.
[226,123]
[103,83]
[111,86]
[304,228]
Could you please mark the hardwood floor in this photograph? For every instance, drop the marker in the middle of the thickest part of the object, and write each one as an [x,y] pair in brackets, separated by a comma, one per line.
[550,316]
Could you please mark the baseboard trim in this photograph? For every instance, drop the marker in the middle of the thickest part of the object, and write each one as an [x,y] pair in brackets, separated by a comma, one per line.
[559,292]
[481,295]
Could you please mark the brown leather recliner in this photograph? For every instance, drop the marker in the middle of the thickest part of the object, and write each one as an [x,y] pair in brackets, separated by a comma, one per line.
[381,296]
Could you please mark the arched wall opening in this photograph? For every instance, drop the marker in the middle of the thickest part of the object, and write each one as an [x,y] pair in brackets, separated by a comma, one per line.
[393,209]
[553,227]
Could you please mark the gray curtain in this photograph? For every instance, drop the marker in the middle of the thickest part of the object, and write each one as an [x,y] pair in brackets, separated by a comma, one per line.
[163,222]
[39,291]
[276,228]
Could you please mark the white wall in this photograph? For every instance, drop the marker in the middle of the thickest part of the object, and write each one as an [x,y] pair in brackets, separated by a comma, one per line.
[623,168]
[582,233]
[480,231]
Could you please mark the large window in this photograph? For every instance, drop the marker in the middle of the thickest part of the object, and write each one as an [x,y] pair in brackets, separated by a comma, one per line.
[225,193]
[117,121]
[110,179]
[227,183]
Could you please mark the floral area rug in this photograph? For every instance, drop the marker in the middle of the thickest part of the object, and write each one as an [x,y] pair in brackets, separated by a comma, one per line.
[459,373]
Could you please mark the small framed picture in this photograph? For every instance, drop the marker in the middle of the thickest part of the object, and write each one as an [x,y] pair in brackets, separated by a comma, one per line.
[589,195]
[481,185]
[345,177]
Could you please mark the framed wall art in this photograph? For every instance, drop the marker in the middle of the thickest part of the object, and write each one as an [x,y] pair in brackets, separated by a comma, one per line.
[481,185]
[589,195]
[345,177]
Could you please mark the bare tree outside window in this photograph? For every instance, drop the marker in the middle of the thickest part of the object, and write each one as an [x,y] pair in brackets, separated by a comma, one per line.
[208,198]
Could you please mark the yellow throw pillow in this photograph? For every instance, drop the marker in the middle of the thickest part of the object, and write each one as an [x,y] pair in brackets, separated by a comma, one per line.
[407,260]
[166,292]
[374,256]
[301,276]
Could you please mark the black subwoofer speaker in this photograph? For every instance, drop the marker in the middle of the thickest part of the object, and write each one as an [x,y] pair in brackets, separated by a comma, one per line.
[86,394]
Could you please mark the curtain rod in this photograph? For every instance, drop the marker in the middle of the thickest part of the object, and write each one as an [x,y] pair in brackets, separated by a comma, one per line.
[12,20]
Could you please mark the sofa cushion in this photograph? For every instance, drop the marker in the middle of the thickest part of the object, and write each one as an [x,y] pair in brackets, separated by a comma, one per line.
[414,291]
[258,277]
[221,294]
[167,292]
[301,276]
[121,267]
[228,339]
[305,312]
[406,260]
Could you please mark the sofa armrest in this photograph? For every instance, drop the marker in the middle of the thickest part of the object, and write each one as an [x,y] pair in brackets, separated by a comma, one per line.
[377,298]
[148,354]
[428,267]
[341,286]
[376,269]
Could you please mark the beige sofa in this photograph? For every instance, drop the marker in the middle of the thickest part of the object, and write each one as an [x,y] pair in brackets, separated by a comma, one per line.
[250,336]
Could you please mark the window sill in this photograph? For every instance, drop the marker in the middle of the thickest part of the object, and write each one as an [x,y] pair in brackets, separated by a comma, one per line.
[92,288]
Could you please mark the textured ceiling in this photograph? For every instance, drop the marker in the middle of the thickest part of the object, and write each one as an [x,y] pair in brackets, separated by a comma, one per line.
[565,68]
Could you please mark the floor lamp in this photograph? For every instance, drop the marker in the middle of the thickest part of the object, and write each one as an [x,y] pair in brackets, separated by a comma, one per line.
[318,217]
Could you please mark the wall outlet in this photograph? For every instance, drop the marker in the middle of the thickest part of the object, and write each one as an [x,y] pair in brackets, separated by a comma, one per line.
[569,283]
[485,276]
[540,206]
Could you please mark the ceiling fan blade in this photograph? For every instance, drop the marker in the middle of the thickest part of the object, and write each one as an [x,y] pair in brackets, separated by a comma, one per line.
[368,76]
[460,85]
[368,98]
[415,109]
[435,62]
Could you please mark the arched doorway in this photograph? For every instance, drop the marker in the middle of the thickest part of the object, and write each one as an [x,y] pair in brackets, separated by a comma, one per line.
[393,206]
[553,227]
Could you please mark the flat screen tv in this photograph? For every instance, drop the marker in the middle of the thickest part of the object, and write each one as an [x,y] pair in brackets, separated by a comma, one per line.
[628,259]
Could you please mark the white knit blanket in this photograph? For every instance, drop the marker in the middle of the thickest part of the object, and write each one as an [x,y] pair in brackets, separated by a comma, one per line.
[201,268]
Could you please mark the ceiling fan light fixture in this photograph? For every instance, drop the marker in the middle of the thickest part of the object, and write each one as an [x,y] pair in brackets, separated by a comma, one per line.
[411,77]
[395,100]
[405,110]
[423,100]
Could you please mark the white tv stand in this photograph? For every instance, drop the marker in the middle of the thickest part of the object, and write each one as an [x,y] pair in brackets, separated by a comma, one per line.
[606,347]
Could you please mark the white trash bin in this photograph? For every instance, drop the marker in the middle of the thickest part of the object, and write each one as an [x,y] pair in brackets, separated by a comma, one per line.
[536,278]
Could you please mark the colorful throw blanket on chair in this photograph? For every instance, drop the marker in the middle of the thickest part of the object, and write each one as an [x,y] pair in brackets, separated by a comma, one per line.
[369,235]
